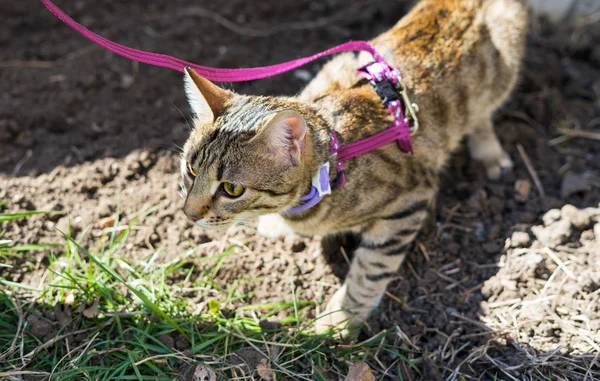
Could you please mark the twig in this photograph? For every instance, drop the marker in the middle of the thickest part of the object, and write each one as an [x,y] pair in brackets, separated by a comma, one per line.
[393,297]
[423,250]
[531,170]
[560,263]
[568,134]
[453,226]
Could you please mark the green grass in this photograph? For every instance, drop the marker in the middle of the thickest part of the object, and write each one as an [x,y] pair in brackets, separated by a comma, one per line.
[106,316]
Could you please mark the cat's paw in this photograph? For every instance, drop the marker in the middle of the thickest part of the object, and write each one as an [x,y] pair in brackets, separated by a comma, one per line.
[273,226]
[498,166]
[336,318]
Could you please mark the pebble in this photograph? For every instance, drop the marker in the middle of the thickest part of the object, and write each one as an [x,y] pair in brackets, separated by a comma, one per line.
[520,239]
[587,237]
[553,235]
[522,189]
[551,216]
[578,218]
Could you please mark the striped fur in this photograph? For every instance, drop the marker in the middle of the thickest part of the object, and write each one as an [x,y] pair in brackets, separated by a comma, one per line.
[460,60]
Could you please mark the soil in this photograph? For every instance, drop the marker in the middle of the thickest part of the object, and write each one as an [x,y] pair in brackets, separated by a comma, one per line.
[499,283]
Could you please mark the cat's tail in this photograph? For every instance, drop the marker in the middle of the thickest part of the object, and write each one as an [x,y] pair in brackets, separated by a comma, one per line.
[507,23]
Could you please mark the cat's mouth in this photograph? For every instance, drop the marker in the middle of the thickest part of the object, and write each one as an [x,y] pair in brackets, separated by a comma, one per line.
[208,226]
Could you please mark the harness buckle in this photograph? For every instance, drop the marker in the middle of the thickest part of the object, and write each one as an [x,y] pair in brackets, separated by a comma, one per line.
[386,90]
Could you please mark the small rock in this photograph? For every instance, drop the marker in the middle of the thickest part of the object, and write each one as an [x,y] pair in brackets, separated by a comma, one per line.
[509,284]
[593,214]
[126,81]
[551,216]
[574,183]
[520,239]
[522,189]
[553,235]
[69,298]
[578,218]
[587,236]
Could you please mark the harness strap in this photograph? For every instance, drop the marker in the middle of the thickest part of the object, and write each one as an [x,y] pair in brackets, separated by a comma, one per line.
[388,84]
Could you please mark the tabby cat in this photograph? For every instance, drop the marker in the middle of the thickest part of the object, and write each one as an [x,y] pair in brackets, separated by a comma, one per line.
[251,156]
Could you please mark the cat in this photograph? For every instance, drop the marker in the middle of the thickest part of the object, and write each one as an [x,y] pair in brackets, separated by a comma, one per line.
[251,156]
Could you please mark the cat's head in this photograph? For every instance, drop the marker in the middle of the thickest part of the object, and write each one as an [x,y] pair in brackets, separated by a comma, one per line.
[246,156]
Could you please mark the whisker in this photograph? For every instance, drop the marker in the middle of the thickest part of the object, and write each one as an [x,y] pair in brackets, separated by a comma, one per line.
[183,189]
[184,118]
[177,149]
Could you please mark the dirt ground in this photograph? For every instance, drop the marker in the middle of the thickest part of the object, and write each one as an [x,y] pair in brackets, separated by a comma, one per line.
[497,280]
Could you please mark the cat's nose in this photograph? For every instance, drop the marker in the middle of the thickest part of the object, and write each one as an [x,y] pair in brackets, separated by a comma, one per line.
[192,217]
[193,214]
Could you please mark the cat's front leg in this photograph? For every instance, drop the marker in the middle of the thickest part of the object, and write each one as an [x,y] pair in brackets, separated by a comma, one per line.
[376,261]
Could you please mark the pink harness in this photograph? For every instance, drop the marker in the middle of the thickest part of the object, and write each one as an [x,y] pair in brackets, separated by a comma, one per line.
[386,80]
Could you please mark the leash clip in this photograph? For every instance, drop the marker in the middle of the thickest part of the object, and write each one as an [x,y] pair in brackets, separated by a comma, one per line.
[411,109]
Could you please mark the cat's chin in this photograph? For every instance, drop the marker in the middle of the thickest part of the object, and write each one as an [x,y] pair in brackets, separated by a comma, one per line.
[206,226]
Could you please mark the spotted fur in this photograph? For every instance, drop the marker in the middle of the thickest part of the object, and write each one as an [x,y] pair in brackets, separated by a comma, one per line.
[460,60]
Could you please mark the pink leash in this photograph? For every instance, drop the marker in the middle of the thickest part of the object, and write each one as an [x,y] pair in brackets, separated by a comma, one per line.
[214,74]
[385,79]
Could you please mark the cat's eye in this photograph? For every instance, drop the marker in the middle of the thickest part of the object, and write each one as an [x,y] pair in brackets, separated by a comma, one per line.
[190,171]
[233,190]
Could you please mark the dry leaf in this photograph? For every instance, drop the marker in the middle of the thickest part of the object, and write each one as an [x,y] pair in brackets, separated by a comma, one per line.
[107,222]
[204,373]
[92,311]
[264,370]
[359,372]
[197,372]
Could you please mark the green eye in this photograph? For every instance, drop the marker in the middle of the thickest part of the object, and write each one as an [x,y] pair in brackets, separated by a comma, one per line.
[233,190]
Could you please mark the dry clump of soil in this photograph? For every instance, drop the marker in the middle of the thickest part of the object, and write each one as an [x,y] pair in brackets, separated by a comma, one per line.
[546,295]
[498,280]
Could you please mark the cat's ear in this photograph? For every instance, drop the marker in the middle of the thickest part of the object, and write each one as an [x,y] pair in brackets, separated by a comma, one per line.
[284,136]
[206,99]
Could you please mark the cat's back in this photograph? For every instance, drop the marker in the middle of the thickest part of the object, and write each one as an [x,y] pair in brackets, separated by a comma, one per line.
[435,41]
